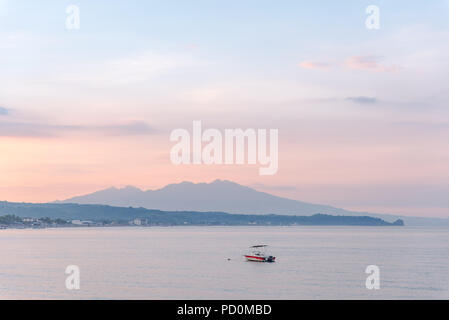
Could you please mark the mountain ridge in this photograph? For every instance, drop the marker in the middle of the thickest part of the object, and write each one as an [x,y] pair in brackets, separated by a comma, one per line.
[224,196]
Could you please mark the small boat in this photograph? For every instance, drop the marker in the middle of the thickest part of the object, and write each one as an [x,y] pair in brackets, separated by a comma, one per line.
[257,253]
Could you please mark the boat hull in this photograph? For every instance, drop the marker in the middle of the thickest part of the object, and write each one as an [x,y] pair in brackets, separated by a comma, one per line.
[260,259]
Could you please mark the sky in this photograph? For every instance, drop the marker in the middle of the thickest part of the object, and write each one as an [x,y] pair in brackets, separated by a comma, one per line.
[362,114]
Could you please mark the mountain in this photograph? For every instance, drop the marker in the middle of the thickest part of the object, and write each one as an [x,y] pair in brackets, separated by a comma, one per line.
[225,196]
[220,195]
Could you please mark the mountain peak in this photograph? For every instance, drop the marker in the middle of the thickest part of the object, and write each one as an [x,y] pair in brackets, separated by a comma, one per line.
[193,185]
[218,195]
[228,182]
[131,188]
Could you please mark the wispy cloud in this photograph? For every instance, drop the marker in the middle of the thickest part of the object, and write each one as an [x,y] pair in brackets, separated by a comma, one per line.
[39,130]
[369,63]
[362,100]
[424,125]
[130,128]
[7,41]
[131,70]
[4,111]
[321,65]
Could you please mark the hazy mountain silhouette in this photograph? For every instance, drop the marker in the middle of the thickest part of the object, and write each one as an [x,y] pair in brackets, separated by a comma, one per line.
[225,196]
[220,195]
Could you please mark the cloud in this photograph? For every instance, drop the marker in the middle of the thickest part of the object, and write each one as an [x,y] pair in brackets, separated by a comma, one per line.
[369,63]
[131,70]
[362,100]
[424,126]
[18,129]
[131,128]
[39,130]
[315,65]
[8,40]
[4,111]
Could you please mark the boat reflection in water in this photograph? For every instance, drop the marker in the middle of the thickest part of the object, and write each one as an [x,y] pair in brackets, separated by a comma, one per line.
[258,253]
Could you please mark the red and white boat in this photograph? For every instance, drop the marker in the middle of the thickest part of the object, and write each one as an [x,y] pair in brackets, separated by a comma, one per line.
[257,253]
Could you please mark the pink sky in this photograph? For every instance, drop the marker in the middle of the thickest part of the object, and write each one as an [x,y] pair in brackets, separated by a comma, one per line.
[362,116]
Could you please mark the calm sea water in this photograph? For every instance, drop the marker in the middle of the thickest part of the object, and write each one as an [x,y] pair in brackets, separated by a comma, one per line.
[192,263]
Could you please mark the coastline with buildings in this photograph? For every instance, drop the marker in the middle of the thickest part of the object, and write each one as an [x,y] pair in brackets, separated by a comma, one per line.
[194,219]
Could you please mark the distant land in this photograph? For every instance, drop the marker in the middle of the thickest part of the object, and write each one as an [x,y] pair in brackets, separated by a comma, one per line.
[62,214]
[226,196]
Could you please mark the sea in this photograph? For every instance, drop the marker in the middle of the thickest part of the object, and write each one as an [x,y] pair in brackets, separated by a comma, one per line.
[187,262]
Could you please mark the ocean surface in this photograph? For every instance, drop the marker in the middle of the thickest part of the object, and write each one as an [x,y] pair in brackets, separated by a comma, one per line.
[207,263]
